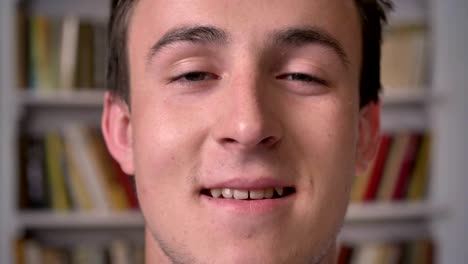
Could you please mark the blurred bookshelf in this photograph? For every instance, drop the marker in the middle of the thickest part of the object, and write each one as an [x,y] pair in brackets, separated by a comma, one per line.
[411,252]
[55,91]
[62,99]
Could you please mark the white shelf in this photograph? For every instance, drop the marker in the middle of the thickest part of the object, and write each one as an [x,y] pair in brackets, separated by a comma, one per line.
[94,98]
[97,10]
[50,220]
[392,211]
[406,96]
[357,213]
[406,109]
[392,222]
[401,109]
[64,99]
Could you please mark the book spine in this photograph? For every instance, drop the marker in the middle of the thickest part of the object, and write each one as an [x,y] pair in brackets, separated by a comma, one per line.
[374,181]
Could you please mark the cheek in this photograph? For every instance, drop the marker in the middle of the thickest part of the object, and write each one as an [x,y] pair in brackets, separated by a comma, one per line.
[166,143]
[325,134]
[327,147]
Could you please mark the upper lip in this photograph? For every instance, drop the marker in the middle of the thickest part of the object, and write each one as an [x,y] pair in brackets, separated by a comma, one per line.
[248,184]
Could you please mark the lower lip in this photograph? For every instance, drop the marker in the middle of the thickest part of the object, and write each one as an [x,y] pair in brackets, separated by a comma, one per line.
[249,207]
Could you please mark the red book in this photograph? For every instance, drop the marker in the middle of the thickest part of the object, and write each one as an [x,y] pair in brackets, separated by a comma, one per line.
[127,184]
[406,167]
[345,254]
[377,169]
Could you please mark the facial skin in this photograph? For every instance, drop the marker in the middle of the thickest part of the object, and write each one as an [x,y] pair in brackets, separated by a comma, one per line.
[264,106]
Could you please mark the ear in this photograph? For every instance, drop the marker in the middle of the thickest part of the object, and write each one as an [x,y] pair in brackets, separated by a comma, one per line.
[117,131]
[369,135]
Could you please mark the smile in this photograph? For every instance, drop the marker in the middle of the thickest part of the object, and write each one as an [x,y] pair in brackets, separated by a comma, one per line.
[240,194]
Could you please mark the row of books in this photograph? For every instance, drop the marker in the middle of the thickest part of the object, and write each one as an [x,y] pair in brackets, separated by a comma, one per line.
[405,58]
[60,53]
[65,53]
[72,170]
[30,251]
[407,252]
[399,170]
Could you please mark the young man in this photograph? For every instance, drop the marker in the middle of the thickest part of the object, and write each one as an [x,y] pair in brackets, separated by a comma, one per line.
[243,122]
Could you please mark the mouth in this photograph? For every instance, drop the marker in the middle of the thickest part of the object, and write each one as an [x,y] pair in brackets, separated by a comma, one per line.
[246,194]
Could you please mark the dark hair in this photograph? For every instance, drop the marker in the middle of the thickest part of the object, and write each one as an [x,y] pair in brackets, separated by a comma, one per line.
[372,14]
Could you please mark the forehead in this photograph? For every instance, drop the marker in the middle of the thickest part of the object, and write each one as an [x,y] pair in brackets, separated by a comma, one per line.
[247,21]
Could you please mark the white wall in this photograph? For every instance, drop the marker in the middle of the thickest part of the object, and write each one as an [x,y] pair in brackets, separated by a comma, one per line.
[450,178]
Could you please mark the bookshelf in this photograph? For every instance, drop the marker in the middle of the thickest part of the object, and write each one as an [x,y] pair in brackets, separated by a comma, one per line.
[440,108]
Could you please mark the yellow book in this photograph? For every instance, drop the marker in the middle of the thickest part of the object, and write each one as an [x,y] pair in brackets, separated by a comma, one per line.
[418,183]
[403,58]
[40,52]
[53,256]
[388,253]
[55,173]
[19,250]
[360,184]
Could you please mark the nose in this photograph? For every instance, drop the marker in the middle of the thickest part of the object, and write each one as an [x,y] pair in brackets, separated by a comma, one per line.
[247,117]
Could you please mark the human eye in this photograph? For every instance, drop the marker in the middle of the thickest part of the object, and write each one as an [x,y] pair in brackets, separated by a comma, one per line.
[194,76]
[303,78]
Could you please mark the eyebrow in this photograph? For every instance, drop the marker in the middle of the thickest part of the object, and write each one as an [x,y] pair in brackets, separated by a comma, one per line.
[193,34]
[293,36]
[301,36]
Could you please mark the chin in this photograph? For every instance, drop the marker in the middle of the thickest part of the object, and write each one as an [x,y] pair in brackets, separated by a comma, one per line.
[259,254]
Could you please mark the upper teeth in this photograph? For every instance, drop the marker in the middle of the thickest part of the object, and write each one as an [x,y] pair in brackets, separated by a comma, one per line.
[246,194]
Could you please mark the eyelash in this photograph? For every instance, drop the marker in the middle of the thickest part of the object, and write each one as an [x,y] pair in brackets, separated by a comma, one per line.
[195,74]
[295,76]
[303,77]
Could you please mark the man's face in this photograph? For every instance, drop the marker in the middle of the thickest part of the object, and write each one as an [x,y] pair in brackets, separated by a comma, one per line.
[252,99]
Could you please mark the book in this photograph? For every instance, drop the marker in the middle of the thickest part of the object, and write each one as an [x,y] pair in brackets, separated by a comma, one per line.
[404,58]
[68,52]
[360,183]
[406,167]
[392,167]
[80,195]
[377,170]
[391,252]
[120,252]
[34,192]
[77,140]
[55,172]
[367,253]
[19,254]
[100,55]
[85,60]
[345,254]
[60,53]
[417,186]
[115,191]
[32,250]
